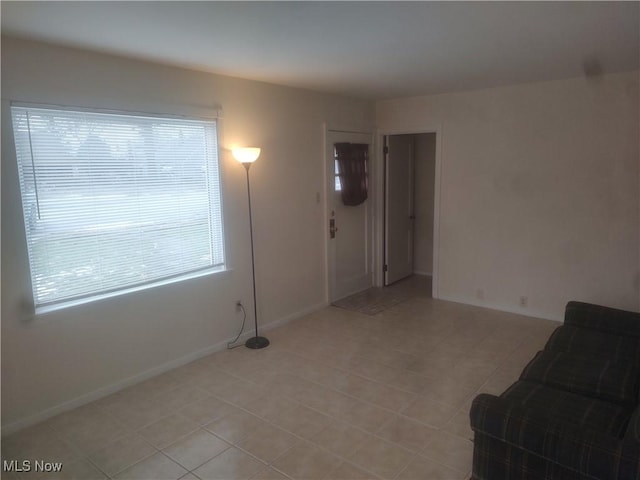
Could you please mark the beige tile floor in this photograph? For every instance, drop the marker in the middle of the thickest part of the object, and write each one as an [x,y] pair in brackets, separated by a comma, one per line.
[337,395]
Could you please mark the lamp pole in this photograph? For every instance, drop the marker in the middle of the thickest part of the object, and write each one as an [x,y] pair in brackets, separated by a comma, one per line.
[255,342]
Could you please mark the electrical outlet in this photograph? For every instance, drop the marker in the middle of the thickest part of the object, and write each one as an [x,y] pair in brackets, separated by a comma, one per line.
[238,305]
[524,301]
[480,294]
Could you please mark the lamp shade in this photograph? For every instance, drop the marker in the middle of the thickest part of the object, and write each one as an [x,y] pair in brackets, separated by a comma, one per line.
[246,155]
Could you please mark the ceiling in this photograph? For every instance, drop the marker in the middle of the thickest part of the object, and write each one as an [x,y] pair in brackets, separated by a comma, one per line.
[370,50]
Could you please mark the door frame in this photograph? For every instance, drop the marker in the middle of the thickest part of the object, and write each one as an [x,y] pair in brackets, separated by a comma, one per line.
[372,199]
[379,213]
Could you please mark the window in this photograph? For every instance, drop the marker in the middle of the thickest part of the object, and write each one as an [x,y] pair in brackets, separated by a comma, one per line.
[351,170]
[336,171]
[116,201]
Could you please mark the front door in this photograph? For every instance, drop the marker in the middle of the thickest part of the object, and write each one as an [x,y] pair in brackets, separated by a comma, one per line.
[349,228]
[399,215]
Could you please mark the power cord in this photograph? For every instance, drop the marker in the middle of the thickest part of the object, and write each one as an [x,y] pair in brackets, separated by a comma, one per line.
[230,345]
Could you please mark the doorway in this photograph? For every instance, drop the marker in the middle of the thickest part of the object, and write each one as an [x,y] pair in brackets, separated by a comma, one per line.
[409,206]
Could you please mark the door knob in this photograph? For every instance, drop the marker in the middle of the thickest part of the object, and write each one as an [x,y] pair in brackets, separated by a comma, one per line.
[332,228]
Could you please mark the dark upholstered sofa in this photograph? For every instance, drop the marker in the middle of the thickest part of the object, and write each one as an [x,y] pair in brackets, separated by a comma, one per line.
[574,413]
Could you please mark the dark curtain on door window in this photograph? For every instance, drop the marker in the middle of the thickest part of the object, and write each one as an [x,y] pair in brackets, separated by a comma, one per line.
[352,170]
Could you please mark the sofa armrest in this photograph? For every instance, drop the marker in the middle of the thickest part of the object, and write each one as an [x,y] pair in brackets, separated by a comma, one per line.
[582,450]
[604,319]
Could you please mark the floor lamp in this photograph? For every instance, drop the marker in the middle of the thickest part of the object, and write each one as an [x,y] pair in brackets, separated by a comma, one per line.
[246,156]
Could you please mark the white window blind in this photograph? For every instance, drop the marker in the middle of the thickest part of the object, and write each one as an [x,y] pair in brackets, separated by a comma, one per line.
[336,172]
[115,201]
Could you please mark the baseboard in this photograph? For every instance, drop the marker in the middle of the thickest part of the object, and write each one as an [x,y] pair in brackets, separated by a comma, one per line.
[295,316]
[351,292]
[153,372]
[519,311]
[424,274]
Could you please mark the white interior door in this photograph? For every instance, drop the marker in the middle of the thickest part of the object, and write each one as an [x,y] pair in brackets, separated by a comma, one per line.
[399,215]
[349,228]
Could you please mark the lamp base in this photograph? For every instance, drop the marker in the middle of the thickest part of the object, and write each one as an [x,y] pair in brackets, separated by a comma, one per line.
[257,342]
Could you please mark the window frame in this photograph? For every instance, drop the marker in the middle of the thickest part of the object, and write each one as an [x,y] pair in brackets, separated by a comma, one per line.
[211,116]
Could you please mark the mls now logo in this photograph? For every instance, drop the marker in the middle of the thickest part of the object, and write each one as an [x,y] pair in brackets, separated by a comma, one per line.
[28,466]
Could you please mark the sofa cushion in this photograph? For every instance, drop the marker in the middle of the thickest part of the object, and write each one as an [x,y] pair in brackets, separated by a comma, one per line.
[578,410]
[495,459]
[522,443]
[620,349]
[587,375]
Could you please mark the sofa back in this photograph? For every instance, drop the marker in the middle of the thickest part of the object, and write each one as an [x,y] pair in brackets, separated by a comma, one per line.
[603,319]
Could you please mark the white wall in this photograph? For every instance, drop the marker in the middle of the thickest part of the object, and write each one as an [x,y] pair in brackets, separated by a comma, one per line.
[425,168]
[86,350]
[539,191]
